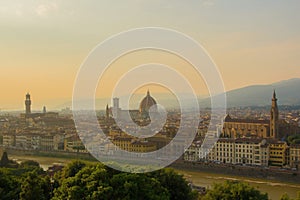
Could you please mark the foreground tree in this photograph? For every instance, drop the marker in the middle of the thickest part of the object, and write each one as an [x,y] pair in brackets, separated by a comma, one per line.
[91,182]
[285,196]
[34,186]
[4,159]
[137,186]
[175,184]
[9,186]
[80,181]
[72,168]
[234,190]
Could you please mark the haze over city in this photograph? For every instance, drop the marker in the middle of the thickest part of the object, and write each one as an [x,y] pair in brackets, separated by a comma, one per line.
[154,99]
[43,43]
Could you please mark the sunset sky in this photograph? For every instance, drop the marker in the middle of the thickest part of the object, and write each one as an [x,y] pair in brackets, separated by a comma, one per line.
[43,43]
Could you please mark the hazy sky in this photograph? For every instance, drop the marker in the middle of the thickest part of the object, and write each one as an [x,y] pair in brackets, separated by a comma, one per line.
[43,43]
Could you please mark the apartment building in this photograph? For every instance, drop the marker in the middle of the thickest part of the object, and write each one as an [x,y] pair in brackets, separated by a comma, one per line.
[132,145]
[235,151]
[295,156]
[9,140]
[277,153]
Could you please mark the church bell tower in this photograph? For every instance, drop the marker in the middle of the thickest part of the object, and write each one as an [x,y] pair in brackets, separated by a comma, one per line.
[274,117]
[27,104]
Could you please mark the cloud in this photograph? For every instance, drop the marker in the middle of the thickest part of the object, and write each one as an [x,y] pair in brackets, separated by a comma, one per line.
[45,9]
[30,9]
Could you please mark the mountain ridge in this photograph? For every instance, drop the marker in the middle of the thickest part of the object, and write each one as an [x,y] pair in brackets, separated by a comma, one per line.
[288,93]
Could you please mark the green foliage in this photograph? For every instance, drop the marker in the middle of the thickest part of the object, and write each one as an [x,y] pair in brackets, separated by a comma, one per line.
[72,168]
[88,183]
[25,181]
[294,139]
[9,186]
[285,196]
[35,187]
[29,163]
[174,183]
[29,166]
[234,190]
[137,186]
[4,160]
[96,181]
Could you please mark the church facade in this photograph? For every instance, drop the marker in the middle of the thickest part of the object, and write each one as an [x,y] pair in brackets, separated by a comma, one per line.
[237,128]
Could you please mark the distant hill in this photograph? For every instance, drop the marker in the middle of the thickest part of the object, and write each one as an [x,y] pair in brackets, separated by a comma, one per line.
[161,98]
[288,93]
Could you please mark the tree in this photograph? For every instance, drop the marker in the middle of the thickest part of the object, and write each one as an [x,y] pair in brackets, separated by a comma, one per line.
[4,159]
[9,186]
[72,168]
[29,163]
[91,182]
[294,139]
[35,187]
[234,190]
[97,181]
[137,186]
[285,196]
[174,183]
[29,166]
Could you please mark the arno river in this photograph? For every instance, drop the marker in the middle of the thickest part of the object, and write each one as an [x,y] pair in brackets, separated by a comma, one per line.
[274,189]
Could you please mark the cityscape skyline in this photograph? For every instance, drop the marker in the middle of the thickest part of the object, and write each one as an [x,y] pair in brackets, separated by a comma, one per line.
[168,99]
[158,99]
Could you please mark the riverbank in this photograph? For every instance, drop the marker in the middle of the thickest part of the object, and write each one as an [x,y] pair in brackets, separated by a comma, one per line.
[274,188]
[200,178]
[272,174]
[53,154]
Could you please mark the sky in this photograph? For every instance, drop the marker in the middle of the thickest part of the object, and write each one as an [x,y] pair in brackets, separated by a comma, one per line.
[43,43]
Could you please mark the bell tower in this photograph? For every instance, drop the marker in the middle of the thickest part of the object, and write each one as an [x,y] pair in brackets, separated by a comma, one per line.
[27,104]
[274,117]
[107,112]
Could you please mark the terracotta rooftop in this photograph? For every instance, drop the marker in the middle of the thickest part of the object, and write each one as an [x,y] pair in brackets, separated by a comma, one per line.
[252,121]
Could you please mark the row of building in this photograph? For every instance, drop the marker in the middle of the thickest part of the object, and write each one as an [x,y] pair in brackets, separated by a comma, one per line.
[259,142]
[248,151]
[44,142]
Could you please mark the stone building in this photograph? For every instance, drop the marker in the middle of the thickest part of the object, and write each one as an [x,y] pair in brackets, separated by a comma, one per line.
[250,151]
[9,140]
[277,153]
[72,143]
[134,145]
[236,128]
[274,128]
[295,155]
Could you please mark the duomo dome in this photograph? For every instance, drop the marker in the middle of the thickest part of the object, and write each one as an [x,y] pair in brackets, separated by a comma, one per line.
[146,103]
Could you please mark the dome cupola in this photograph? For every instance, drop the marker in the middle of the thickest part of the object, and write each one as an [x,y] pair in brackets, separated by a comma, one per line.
[146,103]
